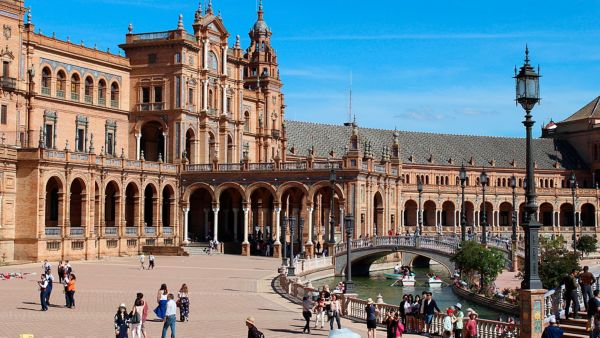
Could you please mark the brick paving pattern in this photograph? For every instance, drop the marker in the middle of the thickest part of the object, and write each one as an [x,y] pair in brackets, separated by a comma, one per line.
[224,290]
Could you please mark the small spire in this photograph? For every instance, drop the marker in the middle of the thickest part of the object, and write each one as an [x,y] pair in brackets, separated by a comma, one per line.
[526,53]
[29,16]
[180,22]
[209,9]
[68,38]
[237,42]
[260,10]
[130,28]
[54,35]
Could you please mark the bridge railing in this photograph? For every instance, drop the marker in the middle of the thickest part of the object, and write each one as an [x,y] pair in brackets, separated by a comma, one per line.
[355,308]
[446,245]
[305,265]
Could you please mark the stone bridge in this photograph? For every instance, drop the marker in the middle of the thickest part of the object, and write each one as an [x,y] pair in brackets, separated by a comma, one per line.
[415,252]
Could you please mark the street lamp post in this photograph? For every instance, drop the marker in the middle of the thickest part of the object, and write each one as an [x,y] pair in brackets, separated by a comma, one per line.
[291,268]
[349,220]
[301,236]
[513,185]
[420,213]
[573,181]
[332,180]
[284,241]
[463,218]
[483,179]
[528,95]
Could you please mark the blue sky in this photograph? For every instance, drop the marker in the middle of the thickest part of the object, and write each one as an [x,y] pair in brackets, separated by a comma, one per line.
[438,66]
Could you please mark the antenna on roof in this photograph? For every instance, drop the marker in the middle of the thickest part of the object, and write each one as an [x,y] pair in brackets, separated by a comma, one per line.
[349,123]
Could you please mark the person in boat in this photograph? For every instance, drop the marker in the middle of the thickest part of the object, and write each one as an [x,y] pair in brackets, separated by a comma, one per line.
[397,269]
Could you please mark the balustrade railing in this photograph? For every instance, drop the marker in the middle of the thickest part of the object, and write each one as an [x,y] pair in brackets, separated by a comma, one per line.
[110,231]
[289,166]
[77,231]
[52,231]
[167,231]
[230,167]
[150,230]
[199,167]
[305,265]
[364,166]
[131,231]
[261,166]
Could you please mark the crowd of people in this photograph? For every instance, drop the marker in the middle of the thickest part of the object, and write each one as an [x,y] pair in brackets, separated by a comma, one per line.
[326,307]
[66,278]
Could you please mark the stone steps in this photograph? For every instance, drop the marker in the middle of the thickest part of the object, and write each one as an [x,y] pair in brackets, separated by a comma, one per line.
[198,249]
[574,328]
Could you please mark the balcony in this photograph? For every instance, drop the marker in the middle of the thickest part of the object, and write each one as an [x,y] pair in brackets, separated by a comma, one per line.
[110,231]
[74,96]
[155,106]
[101,101]
[52,231]
[131,231]
[168,231]
[151,231]
[275,133]
[8,83]
[114,103]
[60,93]
[77,231]
[191,107]
[88,99]
[46,91]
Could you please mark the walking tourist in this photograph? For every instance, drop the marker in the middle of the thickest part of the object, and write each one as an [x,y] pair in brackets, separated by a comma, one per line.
[447,323]
[458,320]
[571,294]
[139,298]
[552,330]
[121,322]
[586,279]
[372,313]
[151,261]
[335,312]
[391,324]
[252,330]
[183,300]
[142,259]
[471,326]
[320,310]
[307,305]
[170,316]
[46,266]
[161,299]
[430,309]
[43,283]
[68,268]
[50,279]
[61,271]
[70,291]
[136,318]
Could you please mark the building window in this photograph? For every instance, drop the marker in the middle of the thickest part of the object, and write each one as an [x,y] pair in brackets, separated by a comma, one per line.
[46,81]
[152,58]
[114,95]
[158,94]
[61,83]
[75,87]
[177,58]
[210,99]
[178,92]
[81,123]
[111,141]
[246,121]
[190,96]
[145,95]
[228,105]
[5,69]
[49,137]
[89,90]
[213,64]
[3,114]
[102,92]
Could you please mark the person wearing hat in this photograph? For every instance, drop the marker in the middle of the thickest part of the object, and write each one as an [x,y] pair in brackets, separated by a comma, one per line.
[458,320]
[122,322]
[372,313]
[471,326]
[447,323]
[252,330]
[552,330]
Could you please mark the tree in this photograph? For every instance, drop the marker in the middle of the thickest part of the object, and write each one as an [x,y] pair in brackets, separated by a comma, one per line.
[473,257]
[586,244]
[556,261]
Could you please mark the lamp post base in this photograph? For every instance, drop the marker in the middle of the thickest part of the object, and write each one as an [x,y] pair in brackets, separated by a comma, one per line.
[277,250]
[532,313]
[245,249]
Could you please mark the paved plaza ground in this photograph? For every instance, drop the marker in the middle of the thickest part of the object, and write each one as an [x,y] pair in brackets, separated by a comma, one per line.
[224,290]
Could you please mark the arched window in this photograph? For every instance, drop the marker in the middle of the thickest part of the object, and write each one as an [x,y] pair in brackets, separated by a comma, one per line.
[75,85]
[114,95]
[213,63]
[210,99]
[246,121]
[551,183]
[102,92]
[46,81]
[61,83]
[89,89]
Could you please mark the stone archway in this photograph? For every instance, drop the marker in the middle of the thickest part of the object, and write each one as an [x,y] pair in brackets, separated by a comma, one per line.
[54,200]
[152,142]
[200,218]
[150,201]
[588,215]
[168,206]
[190,146]
[231,218]
[429,217]
[293,204]
[261,221]
[132,205]
[111,197]
[410,213]
[77,203]
[378,219]
[546,213]
[448,214]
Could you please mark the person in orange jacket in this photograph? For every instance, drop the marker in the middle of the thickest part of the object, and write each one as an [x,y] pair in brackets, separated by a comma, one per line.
[70,290]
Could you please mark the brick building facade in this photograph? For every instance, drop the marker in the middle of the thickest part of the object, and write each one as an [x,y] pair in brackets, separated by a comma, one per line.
[185,137]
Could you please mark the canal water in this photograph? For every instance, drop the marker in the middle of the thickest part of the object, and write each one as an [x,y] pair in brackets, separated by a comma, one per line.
[376,283]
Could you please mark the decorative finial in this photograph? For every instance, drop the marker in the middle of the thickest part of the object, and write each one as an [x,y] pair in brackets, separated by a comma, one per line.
[102,151]
[92,143]
[526,53]
[40,32]
[95,46]
[67,145]
[160,159]
[82,43]
[108,50]
[29,16]
[54,35]
[180,23]
[142,155]
[68,38]
[130,28]
[237,41]
[209,7]
[2,139]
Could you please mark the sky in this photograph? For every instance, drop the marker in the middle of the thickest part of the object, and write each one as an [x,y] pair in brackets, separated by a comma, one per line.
[436,66]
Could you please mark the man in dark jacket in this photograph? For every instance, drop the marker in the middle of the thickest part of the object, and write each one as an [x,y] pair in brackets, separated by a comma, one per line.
[402,310]
[571,294]
[252,330]
[430,308]
[552,330]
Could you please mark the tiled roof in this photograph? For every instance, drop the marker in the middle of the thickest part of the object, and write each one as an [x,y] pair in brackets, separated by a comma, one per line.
[420,148]
[589,110]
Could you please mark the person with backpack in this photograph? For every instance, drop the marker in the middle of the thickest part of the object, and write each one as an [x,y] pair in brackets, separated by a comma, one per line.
[252,330]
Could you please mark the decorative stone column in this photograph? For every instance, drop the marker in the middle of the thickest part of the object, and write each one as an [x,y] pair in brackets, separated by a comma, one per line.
[246,244]
[532,313]
[308,247]
[138,145]
[185,225]
[216,223]
[277,244]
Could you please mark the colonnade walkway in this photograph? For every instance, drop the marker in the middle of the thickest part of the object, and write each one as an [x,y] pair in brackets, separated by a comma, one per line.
[224,290]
